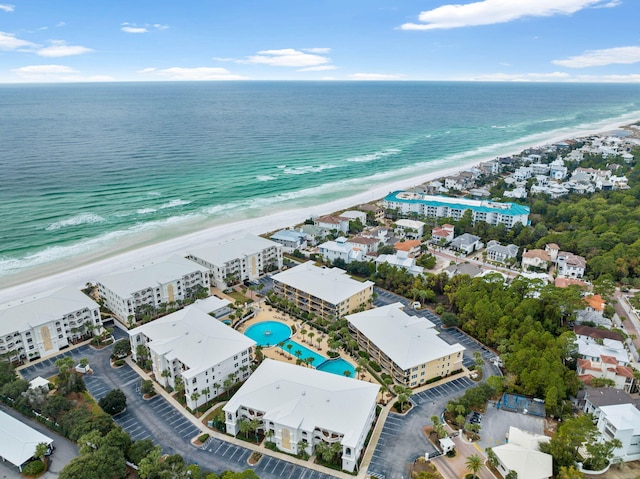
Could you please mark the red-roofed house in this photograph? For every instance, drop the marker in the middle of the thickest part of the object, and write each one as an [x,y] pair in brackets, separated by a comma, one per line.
[411,247]
[443,234]
[331,223]
[595,303]
[535,258]
[606,368]
[566,282]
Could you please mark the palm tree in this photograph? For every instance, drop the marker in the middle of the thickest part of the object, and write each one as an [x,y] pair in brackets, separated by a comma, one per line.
[319,340]
[289,347]
[474,464]
[311,335]
[195,395]
[41,451]
[303,332]
[268,435]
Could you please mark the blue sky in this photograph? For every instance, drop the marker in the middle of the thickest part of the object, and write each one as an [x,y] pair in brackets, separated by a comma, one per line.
[491,40]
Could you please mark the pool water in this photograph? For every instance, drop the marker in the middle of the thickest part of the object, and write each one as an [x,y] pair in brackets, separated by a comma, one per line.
[338,366]
[268,333]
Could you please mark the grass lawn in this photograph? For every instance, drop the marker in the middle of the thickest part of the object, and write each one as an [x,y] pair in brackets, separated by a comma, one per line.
[237,296]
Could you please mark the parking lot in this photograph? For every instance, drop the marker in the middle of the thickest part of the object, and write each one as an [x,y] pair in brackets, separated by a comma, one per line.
[402,439]
[495,425]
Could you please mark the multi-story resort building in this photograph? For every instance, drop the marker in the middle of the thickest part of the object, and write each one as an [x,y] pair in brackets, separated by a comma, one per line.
[191,345]
[238,260]
[173,280]
[43,325]
[431,206]
[407,347]
[326,292]
[303,407]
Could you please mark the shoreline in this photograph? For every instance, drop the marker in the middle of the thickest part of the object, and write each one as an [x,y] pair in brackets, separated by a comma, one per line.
[50,277]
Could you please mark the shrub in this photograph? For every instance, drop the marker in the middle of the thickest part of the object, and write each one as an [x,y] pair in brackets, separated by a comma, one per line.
[375,366]
[203,437]
[119,362]
[333,354]
[114,402]
[33,468]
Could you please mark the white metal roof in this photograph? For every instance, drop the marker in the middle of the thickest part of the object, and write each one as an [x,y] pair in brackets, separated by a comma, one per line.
[194,338]
[329,284]
[210,304]
[219,254]
[17,440]
[407,340]
[304,398]
[623,416]
[148,276]
[522,455]
[26,313]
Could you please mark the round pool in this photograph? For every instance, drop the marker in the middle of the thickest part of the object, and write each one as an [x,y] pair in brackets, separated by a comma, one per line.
[268,333]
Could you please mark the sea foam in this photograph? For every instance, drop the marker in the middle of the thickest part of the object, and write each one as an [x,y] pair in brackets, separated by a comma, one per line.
[81,219]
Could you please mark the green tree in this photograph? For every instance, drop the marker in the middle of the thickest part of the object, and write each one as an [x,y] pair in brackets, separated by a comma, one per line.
[42,448]
[113,402]
[473,464]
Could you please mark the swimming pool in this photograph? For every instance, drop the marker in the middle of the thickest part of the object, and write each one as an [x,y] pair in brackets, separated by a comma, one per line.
[305,352]
[338,366]
[268,333]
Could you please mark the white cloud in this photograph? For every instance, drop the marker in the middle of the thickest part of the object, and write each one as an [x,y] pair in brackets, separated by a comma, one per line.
[287,57]
[596,58]
[317,50]
[193,74]
[631,78]
[55,73]
[59,48]
[489,12]
[376,76]
[6,7]
[319,68]
[133,28]
[60,24]
[8,42]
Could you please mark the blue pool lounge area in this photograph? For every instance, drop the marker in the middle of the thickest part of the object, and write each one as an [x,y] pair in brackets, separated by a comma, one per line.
[271,333]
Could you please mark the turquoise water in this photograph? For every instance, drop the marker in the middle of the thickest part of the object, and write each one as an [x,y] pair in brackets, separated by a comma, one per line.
[318,359]
[90,170]
[338,366]
[268,333]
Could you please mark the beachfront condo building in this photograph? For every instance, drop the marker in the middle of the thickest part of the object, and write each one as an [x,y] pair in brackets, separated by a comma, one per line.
[406,347]
[207,355]
[243,259]
[492,212]
[43,325]
[142,290]
[329,293]
[302,407]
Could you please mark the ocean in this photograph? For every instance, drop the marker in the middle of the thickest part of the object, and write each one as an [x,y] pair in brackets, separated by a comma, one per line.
[91,170]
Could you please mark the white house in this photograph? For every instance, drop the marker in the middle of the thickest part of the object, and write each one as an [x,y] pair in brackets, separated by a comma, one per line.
[366,244]
[341,249]
[18,441]
[557,170]
[467,243]
[302,407]
[196,347]
[331,223]
[353,215]
[409,229]
[535,258]
[238,260]
[622,422]
[407,347]
[401,260]
[522,455]
[442,234]
[44,324]
[172,280]
[499,253]
[570,265]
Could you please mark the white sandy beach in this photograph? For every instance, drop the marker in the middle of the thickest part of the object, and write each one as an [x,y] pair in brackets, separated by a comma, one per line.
[79,276]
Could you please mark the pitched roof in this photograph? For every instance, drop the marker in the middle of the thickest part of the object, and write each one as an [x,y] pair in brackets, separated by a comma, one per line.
[408,340]
[597,333]
[304,398]
[18,441]
[537,253]
[595,301]
[407,245]
[521,454]
[607,396]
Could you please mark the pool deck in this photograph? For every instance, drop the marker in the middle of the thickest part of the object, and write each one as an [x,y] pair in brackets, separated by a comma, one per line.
[267,313]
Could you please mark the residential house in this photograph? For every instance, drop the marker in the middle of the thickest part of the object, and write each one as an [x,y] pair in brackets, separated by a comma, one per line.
[622,422]
[463,268]
[302,407]
[522,174]
[499,253]
[410,247]
[557,170]
[590,399]
[367,245]
[401,260]
[442,234]
[406,347]
[570,265]
[353,215]
[331,223]
[242,259]
[197,348]
[553,250]
[409,229]
[522,455]
[378,212]
[341,249]
[290,240]
[47,323]
[325,292]
[466,242]
[518,192]
[535,259]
